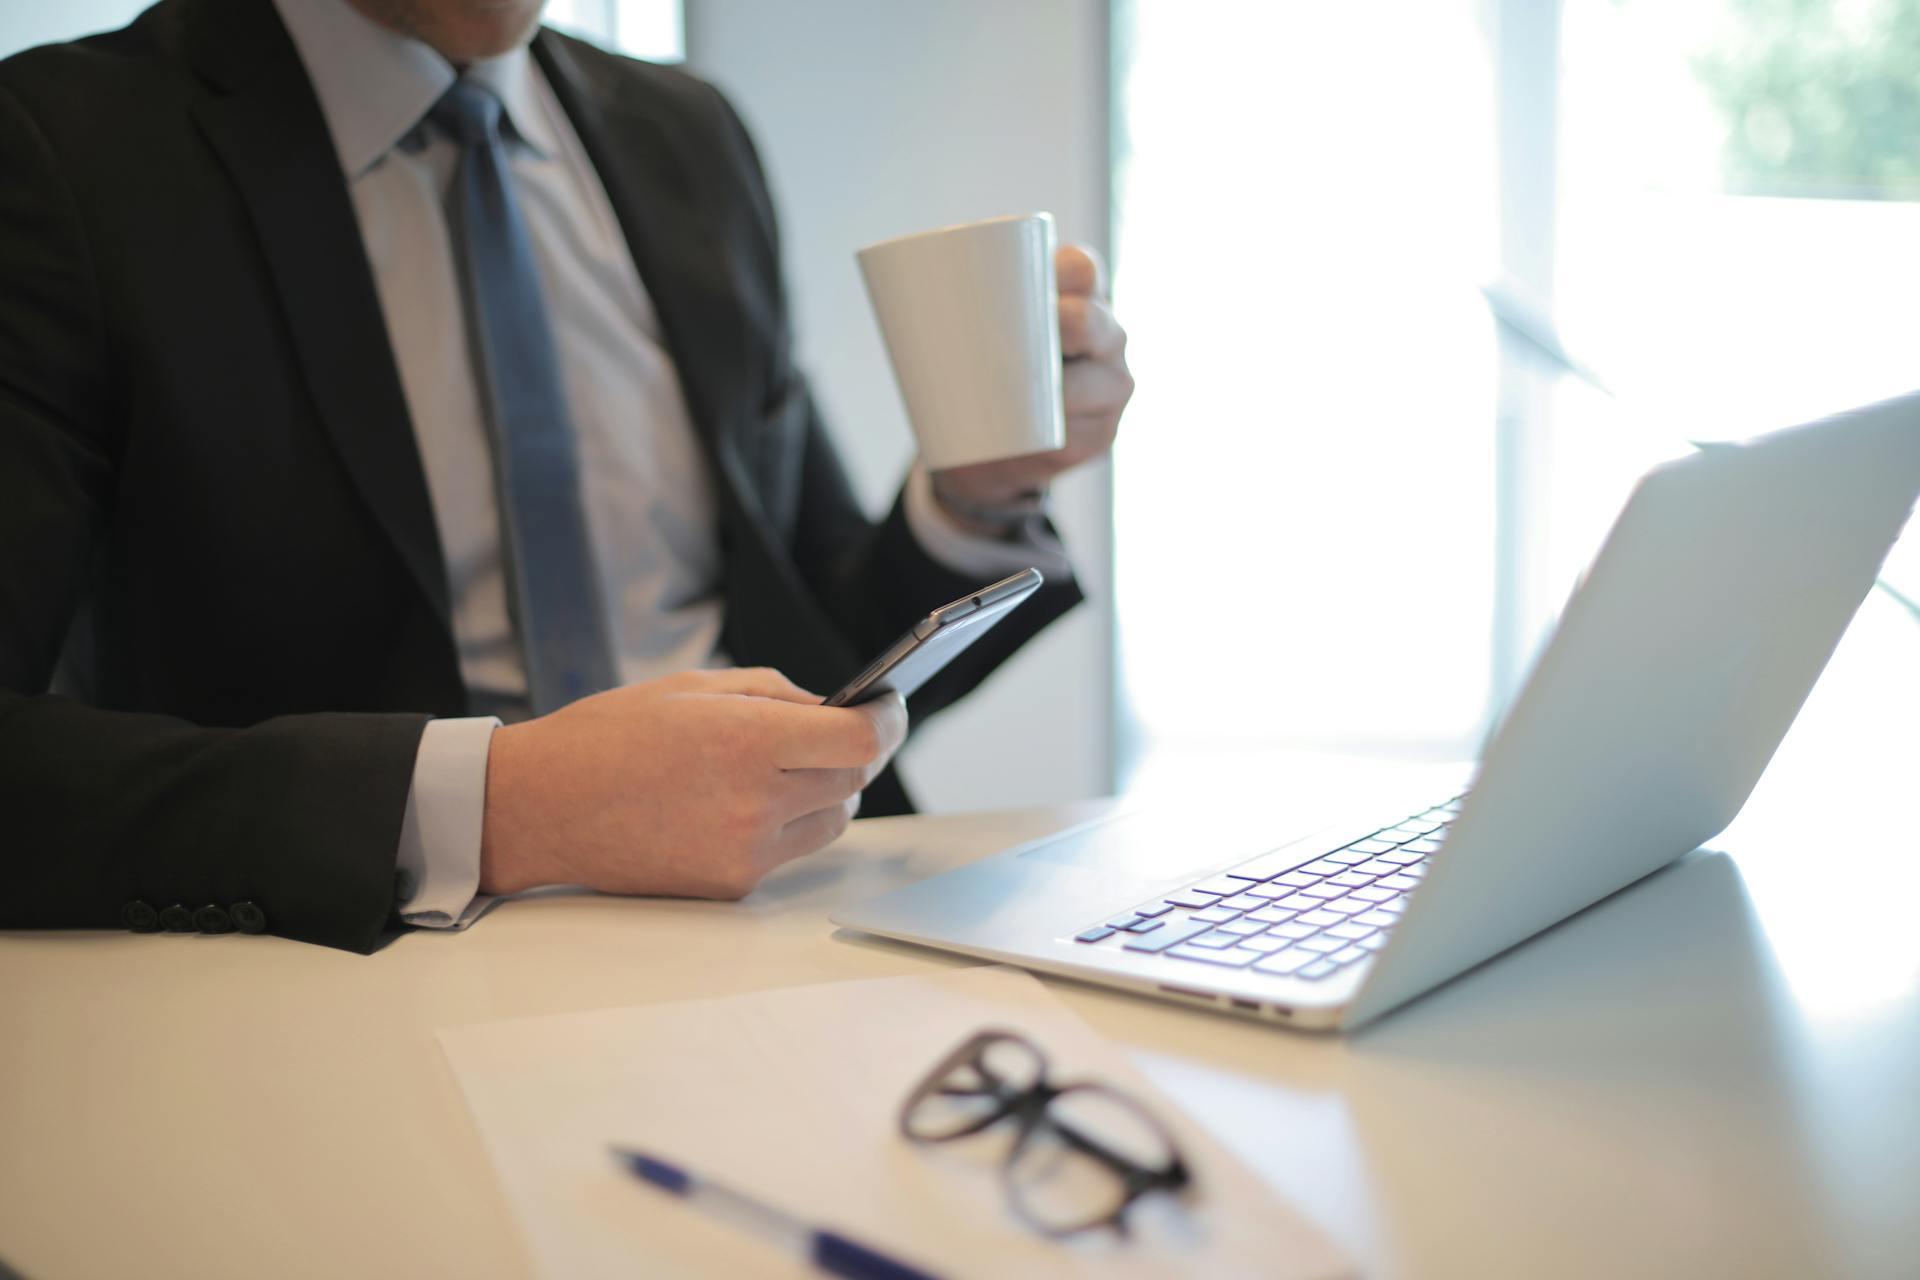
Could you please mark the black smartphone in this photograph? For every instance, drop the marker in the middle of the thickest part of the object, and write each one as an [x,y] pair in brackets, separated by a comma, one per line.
[937,639]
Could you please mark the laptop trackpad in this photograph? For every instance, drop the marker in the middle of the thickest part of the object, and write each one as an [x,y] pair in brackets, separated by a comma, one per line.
[1157,844]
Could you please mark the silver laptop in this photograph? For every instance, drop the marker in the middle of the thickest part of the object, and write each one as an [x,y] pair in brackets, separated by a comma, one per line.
[1675,671]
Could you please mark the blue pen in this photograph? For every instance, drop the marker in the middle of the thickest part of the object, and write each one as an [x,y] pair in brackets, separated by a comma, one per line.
[830,1251]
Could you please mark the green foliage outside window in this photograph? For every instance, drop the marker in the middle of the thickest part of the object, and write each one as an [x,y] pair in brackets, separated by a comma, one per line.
[1820,97]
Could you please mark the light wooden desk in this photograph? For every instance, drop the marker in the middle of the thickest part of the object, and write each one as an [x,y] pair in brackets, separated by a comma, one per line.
[1716,1073]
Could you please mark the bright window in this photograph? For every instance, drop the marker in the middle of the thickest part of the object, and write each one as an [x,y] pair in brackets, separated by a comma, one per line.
[1345,510]
[650,29]
[1304,488]
[1737,238]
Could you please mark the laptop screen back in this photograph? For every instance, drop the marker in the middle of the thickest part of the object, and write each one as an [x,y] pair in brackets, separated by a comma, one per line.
[1675,671]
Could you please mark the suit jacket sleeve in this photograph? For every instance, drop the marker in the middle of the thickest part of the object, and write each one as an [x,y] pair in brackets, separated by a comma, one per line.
[874,579]
[299,815]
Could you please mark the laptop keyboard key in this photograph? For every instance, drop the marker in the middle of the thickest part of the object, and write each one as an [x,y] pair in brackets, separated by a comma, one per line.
[1144,926]
[1377,918]
[1350,879]
[1375,894]
[1153,909]
[1271,915]
[1319,969]
[1350,931]
[1094,934]
[1270,891]
[1243,902]
[1300,902]
[1232,958]
[1161,939]
[1276,862]
[1374,942]
[1217,915]
[1264,943]
[1349,955]
[1322,868]
[1297,878]
[1220,886]
[1286,961]
[1188,898]
[1398,882]
[1322,943]
[1123,922]
[1371,846]
[1242,928]
[1346,857]
[1318,919]
[1295,931]
[1213,938]
[1324,891]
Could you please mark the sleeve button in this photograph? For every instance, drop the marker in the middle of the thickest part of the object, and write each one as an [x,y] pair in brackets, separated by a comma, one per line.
[212,919]
[248,917]
[140,917]
[176,919]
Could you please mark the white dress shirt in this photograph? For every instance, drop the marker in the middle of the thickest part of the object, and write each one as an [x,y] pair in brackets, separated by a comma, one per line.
[649,499]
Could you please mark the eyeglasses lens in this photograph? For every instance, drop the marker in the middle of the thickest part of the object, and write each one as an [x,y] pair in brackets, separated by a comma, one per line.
[976,1089]
[1072,1172]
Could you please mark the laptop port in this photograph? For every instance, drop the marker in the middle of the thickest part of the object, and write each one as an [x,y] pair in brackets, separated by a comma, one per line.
[1208,996]
[1238,1003]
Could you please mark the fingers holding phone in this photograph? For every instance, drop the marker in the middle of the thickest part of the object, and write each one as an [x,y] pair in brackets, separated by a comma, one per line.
[699,784]
[694,785]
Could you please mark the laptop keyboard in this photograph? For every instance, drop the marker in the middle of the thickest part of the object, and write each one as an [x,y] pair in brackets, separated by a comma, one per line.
[1280,913]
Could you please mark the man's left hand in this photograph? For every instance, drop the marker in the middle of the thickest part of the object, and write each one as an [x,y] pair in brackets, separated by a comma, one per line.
[1095,384]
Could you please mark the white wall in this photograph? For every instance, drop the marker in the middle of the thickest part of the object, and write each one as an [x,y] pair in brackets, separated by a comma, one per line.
[876,118]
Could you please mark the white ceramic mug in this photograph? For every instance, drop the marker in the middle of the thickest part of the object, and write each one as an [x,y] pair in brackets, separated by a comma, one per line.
[970,314]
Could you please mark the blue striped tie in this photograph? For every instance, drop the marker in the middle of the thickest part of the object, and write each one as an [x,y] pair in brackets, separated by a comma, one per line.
[549,563]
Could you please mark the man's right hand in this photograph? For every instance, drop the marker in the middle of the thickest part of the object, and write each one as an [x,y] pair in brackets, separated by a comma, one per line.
[695,785]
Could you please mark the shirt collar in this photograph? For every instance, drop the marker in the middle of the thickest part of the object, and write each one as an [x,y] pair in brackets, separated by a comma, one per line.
[375,85]
[511,77]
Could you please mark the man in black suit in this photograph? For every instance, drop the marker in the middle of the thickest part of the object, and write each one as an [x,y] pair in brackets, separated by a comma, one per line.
[226,616]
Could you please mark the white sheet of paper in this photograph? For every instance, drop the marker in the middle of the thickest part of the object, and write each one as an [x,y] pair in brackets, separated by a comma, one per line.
[791,1095]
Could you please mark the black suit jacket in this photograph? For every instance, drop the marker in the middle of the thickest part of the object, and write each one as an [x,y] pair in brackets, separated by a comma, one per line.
[223,607]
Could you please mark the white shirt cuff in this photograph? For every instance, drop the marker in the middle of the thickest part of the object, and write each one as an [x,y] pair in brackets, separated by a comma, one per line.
[439,861]
[941,537]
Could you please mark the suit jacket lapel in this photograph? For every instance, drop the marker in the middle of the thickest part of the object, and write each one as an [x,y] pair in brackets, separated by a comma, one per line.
[651,185]
[703,293]
[268,131]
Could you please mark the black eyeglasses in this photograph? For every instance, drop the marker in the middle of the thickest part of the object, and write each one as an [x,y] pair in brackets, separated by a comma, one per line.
[1083,1152]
